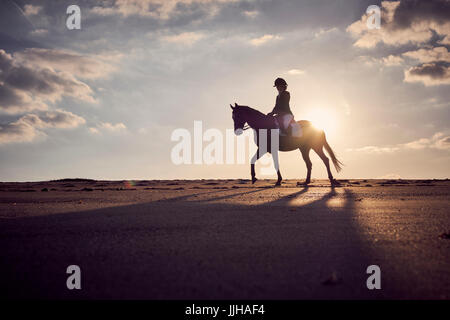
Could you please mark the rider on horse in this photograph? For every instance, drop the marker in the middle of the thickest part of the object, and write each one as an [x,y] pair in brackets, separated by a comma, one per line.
[282,111]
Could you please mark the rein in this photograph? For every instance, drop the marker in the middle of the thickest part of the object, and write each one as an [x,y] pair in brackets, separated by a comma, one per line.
[247,126]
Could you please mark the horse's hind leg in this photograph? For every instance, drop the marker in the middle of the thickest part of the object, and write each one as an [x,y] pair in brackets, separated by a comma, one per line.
[305,155]
[326,161]
[252,164]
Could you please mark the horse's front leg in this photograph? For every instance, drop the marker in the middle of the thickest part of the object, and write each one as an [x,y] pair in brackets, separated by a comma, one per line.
[277,167]
[252,164]
[252,172]
[280,178]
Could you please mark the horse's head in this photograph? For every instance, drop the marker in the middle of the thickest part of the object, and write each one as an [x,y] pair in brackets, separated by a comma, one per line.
[238,118]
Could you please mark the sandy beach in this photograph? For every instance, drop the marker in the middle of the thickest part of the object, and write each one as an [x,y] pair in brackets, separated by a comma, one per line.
[225,239]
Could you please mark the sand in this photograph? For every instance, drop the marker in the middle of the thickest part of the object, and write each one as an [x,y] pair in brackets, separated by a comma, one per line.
[225,239]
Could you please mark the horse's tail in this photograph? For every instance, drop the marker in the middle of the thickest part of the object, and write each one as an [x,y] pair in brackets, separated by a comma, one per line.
[337,164]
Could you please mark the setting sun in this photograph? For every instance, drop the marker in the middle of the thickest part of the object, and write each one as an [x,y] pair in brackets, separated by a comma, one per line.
[321,118]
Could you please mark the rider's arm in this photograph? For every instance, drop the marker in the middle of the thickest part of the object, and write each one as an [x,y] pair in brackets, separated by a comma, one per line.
[274,110]
[282,103]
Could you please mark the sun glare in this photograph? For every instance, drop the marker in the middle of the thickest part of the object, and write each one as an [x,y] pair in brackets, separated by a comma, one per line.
[322,119]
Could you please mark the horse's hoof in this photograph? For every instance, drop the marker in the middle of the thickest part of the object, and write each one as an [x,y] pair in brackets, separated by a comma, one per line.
[334,182]
[254,180]
[278,184]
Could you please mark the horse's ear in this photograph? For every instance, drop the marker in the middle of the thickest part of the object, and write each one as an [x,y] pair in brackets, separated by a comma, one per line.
[235,104]
[231,106]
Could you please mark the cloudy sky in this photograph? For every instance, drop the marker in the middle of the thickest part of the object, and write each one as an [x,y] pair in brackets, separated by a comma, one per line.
[103,101]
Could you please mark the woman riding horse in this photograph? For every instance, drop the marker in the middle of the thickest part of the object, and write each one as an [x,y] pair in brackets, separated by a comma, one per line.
[311,138]
[282,111]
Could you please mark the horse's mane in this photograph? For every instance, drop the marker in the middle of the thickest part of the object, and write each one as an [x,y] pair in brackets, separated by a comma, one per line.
[251,110]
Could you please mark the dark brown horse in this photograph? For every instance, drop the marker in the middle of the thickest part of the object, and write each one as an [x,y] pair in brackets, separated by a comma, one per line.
[311,138]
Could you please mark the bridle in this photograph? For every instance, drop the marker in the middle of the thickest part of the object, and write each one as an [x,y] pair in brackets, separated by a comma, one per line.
[245,127]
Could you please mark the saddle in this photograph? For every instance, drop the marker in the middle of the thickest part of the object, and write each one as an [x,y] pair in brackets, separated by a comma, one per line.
[295,129]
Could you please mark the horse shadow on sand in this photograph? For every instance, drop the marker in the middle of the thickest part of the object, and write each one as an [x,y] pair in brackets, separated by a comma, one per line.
[262,243]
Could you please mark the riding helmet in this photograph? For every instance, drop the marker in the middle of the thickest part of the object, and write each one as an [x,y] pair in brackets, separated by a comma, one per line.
[280,82]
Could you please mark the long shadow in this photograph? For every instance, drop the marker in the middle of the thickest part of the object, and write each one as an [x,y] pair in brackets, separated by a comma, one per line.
[190,195]
[286,199]
[236,194]
[190,250]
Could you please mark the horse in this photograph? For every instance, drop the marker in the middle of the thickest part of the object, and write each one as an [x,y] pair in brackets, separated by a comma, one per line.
[311,138]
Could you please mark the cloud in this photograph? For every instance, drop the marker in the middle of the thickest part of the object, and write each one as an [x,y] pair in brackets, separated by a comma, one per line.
[264,39]
[94,130]
[30,10]
[39,32]
[32,79]
[392,60]
[368,60]
[412,12]
[29,85]
[442,143]
[186,38]
[13,100]
[323,32]
[429,54]
[404,22]
[18,131]
[159,9]
[416,22]
[445,41]
[54,119]
[429,74]
[82,66]
[251,14]
[112,127]
[439,141]
[29,127]
[375,149]
[296,72]
[107,126]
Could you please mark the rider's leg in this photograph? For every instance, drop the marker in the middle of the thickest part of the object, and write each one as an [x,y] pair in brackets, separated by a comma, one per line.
[280,121]
[286,121]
